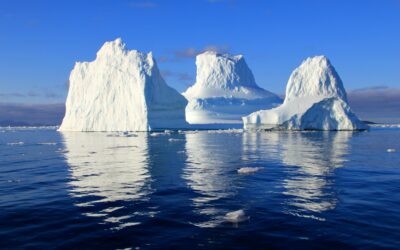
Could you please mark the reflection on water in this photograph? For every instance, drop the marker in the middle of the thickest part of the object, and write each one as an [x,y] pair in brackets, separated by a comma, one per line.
[210,172]
[312,158]
[309,159]
[106,171]
[118,171]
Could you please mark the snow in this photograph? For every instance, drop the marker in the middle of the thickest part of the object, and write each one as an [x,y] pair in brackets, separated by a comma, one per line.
[315,100]
[248,170]
[224,91]
[121,90]
[236,216]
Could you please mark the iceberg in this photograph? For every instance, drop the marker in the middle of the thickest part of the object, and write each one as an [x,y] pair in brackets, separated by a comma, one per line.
[315,100]
[225,90]
[121,90]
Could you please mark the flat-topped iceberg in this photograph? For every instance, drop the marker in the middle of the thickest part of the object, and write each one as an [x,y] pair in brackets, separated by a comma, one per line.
[225,90]
[121,90]
[315,100]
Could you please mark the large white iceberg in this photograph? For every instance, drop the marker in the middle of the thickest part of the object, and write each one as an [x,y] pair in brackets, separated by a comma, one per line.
[225,91]
[315,100]
[121,90]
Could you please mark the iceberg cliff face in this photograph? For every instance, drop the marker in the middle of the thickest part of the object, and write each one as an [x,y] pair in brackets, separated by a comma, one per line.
[315,99]
[225,90]
[121,90]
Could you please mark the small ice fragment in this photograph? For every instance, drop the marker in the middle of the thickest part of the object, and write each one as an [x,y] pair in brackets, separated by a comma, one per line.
[236,216]
[15,143]
[248,170]
[391,150]
[47,143]
[173,139]
[155,134]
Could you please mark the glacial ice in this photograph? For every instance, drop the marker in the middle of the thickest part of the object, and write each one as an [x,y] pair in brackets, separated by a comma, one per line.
[315,100]
[225,90]
[121,90]
[236,216]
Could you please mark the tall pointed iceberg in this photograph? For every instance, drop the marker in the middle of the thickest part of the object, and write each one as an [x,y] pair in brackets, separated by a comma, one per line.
[121,90]
[315,100]
[225,90]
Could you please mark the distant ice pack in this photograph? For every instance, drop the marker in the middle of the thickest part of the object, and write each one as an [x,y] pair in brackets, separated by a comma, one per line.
[121,90]
[315,100]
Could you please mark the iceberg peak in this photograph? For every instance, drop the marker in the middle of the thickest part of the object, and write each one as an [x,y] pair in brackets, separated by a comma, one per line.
[223,75]
[315,77]
[112,47]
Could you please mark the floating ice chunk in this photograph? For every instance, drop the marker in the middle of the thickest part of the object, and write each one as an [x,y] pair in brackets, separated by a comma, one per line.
[16,143]
[236,216]
[47,143]
[248,170]
[225,131]
[391,150]
[156,134]
[174,139]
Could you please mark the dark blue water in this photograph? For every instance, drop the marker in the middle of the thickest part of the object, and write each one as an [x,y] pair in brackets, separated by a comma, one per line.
[331,190]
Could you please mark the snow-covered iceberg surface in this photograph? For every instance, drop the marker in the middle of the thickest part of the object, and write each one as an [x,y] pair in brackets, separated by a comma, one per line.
[121,90]
[225,91]
[315,100]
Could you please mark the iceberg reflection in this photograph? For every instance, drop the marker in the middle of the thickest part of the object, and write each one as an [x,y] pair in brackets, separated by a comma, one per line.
[310,159]
[107,169]
[210,172]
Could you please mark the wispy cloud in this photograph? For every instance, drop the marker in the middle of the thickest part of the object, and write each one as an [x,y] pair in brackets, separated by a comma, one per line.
[185,53]
[143,4]
[183,78]
[189,53]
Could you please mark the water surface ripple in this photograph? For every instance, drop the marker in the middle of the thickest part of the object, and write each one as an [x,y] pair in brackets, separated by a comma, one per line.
[174,189]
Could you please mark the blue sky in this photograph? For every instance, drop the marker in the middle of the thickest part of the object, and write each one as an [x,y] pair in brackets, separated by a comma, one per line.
[41,40]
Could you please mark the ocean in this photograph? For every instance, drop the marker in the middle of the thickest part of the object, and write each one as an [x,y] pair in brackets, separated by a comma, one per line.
[174,189]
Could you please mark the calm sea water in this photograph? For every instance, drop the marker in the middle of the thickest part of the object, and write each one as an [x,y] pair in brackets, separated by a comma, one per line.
[331,190]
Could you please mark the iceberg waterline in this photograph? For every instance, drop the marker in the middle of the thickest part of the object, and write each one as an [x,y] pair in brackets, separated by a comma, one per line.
[123,90]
